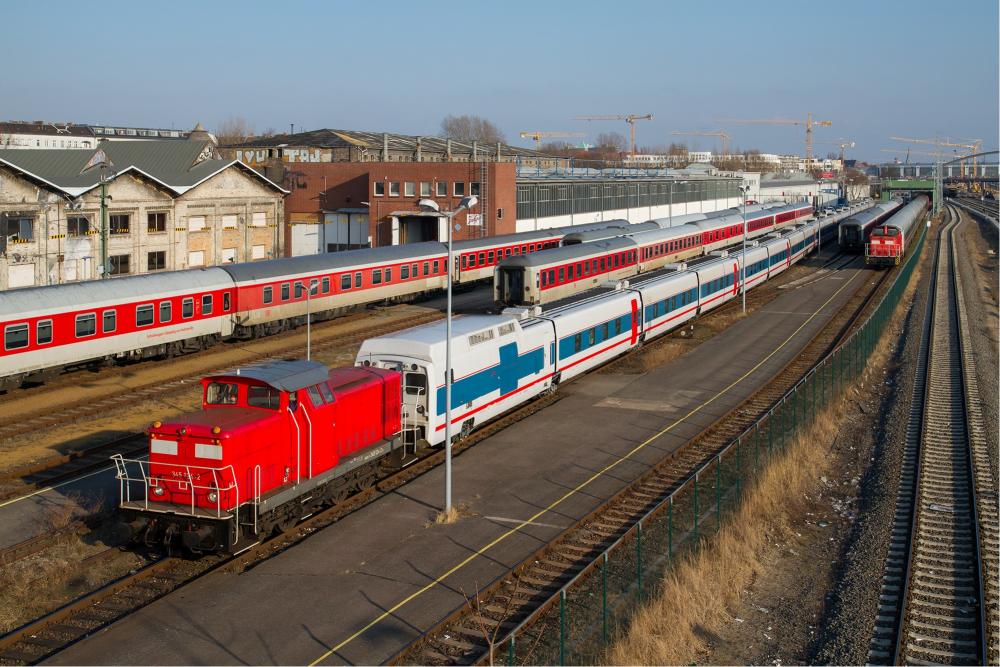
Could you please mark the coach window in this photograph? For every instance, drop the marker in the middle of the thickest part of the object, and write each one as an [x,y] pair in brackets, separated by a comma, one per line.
[144,315]
[43,332]
[545,278]
[404,272]
[206,304]
[427,268]
[284,291]
[578,342]
[552,276]
[225,302]
[472,261]
[435,267]
[15,337]
[357,280]
[562,273]
[164,311]
[376,276]
[482,258]
[604,264]
[489,257]
[86,325]
[268,294]
[592,337]
[345,281]
[388,274]
[109,321]
[507,252]
[465,261]
[187,308]
[326,285]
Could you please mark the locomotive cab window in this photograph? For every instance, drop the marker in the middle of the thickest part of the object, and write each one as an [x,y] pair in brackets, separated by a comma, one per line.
[222,393]
[43,332]
[325,391]
[109,321]
[15,336]
[415,384]
[206,304]
[263,397]
[187,308]
[314,396]
[86,325]
[144,315]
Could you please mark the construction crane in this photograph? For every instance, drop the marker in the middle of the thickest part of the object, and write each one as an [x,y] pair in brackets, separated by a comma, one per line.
[808,122]
[715,133]
[908,151]
[538,136]
[628,118]
[974,147]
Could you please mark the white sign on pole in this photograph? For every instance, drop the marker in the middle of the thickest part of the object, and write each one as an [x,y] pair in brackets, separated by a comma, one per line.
[474,219]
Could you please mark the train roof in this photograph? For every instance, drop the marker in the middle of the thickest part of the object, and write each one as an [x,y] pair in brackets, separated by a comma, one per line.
[505,239]
[28,301]
[332,261]
[609,232]
[427,341]
[286,375]
[570,252]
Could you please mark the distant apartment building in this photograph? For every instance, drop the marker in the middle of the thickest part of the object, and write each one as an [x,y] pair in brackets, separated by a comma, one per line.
[169,205]
[47,135]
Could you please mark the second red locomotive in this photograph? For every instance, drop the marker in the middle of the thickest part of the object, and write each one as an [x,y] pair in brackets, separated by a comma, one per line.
[272,443]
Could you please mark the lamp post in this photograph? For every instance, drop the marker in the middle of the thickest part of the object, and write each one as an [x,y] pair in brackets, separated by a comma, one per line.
[744,190]
[431,205]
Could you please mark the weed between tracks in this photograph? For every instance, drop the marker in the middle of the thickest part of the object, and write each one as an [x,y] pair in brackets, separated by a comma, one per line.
[699,595]
[78,562]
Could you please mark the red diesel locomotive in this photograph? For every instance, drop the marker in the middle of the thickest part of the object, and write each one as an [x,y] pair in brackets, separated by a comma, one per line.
[272,443]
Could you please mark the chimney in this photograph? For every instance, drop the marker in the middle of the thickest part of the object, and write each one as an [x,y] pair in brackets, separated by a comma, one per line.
[419,154]
[385,147]
[448,152]
[475,150]
[498,151]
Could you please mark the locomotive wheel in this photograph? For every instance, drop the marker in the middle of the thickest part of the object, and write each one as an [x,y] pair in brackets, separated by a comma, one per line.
[366,481]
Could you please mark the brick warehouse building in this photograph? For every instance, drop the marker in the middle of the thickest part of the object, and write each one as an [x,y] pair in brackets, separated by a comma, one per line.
[351,189]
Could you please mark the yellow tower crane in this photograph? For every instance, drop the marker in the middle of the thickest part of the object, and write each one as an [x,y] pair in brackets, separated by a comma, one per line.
[809,124]
[538,136]
[715,133]
[973,147]
[628,118]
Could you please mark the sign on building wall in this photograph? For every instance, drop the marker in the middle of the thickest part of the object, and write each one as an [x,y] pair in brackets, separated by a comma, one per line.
[474,219]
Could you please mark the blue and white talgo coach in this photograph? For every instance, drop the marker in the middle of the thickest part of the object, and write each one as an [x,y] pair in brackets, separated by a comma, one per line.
[502,361]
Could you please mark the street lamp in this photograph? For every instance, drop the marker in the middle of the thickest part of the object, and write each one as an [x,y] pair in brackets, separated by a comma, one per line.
[744,190]
[313,284]
[431,205]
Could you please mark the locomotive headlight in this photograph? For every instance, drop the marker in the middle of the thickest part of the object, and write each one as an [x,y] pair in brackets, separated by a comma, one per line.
[216,430]
[212,496]
[158,491]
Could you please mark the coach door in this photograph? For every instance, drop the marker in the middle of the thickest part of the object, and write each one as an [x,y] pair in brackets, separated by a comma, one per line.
[510,285]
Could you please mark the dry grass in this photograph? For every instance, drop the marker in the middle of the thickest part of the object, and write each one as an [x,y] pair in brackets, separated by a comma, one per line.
[700,591]
[451,515]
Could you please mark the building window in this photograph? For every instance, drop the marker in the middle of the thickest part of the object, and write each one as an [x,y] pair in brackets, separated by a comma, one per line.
[394,188]
[425,188]
[18,228]
[156,261]
[258,252]
[474,188]
[196,223]
[196,258]
[442,189]
[459,189]
[230,222]
[499,214]
[379,188]
[77,226]
[156,222]
[409,189]
[119,264]
[258,219]
[118,223]
[228,255]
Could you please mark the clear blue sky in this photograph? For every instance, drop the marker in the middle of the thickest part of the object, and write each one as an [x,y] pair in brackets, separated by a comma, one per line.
[920,68]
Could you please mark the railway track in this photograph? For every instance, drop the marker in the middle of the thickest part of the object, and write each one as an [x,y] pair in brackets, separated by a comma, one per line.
[532,587]
[22,423]
[938,602]
[74,621]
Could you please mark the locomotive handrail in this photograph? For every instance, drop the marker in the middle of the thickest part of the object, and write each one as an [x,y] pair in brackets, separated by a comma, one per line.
[147,480]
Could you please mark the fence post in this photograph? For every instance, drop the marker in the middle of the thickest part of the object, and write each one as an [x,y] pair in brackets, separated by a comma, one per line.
[670,529]
[638,559]
[739,469]
[718,493]
[510,649]
[695,529]
[562,627]
[604,598]
[813,383]
[770,432]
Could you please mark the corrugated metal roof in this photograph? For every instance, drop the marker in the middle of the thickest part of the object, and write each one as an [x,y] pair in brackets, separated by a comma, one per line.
[330,138]
[333,261]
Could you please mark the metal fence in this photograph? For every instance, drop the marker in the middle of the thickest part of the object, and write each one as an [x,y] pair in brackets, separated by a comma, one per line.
[588,610]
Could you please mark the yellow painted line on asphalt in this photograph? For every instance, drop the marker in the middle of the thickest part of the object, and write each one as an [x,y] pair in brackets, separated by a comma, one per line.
[527,522]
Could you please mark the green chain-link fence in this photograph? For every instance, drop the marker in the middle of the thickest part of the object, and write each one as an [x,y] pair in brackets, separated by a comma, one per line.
[577,626]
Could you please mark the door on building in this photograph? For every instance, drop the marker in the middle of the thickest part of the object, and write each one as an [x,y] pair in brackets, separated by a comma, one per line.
[418,228]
